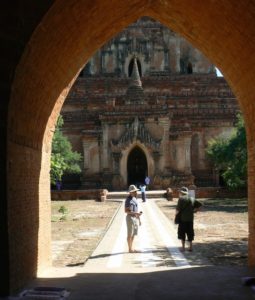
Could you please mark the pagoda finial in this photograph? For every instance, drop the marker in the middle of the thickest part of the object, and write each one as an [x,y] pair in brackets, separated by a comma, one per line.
[135,93]
[135,76]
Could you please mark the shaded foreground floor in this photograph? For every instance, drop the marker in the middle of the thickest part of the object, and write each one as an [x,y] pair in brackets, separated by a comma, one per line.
[201,283]
[159,272]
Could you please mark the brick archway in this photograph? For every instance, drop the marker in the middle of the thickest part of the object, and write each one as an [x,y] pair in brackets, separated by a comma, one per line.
[59,47]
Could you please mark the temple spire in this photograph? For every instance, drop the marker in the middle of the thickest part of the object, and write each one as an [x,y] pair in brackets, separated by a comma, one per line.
[135,76]
[135,93]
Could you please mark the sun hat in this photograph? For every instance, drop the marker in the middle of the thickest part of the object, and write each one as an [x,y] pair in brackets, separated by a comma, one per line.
[184,190]
[132,188]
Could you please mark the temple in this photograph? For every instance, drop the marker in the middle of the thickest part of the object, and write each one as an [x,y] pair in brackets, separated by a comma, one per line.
[147,104]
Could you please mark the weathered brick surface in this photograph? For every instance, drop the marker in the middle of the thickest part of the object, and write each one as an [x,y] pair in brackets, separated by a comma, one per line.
[79,194]
[60,46]
[200,104]
[29,212]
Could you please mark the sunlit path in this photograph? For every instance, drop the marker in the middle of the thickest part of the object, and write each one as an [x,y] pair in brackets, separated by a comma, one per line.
[156,241]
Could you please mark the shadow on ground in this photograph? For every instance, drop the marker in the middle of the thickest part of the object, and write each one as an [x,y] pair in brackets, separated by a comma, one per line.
[206,282]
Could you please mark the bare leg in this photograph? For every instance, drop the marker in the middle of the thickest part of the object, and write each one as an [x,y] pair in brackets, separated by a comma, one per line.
[130,240]
[190,245]
[183,245]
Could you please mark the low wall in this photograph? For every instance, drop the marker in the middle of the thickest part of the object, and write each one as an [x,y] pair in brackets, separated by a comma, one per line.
[101,194]
[93,194]
[214,192]
[220,193]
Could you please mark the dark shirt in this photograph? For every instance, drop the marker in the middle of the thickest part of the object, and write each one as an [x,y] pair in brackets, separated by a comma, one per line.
[187,205]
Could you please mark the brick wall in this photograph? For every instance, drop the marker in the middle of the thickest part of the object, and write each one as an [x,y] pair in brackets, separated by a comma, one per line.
[30,224]
[79,194]
[50,62]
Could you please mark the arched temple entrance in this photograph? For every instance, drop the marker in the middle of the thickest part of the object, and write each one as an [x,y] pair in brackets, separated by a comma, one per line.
[46,54]
[137,167]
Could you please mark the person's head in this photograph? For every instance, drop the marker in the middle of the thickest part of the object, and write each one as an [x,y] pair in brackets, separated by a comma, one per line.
[184,191]
[133,190]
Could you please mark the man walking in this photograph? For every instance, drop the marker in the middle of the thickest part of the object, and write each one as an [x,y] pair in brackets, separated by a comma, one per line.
[186,207]
[142,189]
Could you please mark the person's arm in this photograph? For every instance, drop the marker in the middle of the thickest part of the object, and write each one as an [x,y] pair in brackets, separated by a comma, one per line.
[177,210]
[197,206]
[132,213]
[128,208]
[129,211]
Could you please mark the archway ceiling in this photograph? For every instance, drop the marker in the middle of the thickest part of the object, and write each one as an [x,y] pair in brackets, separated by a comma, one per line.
[71,32]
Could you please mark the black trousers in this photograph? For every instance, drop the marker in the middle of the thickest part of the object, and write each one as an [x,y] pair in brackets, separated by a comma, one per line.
[185,229]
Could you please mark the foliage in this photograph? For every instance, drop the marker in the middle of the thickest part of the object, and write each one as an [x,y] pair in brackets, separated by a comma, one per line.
[63,209]
[230,156]
[63,159]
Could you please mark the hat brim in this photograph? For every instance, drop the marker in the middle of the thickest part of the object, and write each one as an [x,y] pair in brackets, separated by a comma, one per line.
[136,190]
[184,193]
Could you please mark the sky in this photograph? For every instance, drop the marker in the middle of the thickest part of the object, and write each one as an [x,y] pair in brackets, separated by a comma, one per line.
[218,72]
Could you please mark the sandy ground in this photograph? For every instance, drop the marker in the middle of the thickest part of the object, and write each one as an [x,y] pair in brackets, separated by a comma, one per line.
[221,229]
[78,229]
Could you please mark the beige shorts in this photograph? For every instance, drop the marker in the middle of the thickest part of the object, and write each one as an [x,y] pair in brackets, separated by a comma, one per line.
[132,225]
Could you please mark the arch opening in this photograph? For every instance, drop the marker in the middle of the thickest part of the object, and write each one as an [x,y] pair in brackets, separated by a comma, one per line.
[137,166]
[189,68]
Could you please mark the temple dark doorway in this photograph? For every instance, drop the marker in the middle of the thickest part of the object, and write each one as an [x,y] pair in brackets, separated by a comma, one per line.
[136,167]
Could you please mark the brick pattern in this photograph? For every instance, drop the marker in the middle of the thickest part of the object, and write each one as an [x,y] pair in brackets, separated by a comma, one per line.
[199,104]
[29,212]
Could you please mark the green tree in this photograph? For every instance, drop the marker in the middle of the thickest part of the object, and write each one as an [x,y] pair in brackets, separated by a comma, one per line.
[230,155]
[63,159]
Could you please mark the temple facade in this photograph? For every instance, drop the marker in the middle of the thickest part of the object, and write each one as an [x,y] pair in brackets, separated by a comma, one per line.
[147,104]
